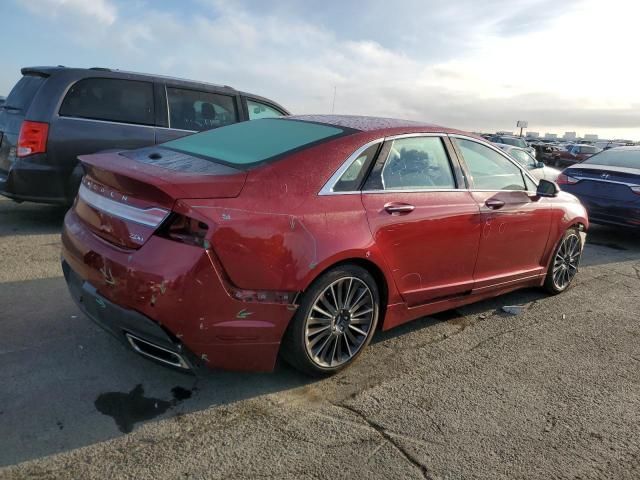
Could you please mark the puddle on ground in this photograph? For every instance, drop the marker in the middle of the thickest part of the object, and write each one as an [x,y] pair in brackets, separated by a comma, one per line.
[127,409]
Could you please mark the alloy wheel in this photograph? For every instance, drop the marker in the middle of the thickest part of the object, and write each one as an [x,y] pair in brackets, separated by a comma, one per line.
[339,322]
[566,261]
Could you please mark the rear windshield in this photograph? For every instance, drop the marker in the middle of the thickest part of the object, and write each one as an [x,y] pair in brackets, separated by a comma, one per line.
[616,158]
[249,143]
[22,94]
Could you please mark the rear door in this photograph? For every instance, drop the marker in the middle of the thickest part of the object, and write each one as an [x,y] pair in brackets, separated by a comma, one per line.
[12,113]
[102,114]
[515,222]
[191,111]
[422,217]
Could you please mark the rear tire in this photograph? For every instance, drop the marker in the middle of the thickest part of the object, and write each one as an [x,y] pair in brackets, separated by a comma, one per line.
[335,321]
[564,263]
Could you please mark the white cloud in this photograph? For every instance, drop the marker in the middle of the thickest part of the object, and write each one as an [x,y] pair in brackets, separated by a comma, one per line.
[566,68]
[102,11]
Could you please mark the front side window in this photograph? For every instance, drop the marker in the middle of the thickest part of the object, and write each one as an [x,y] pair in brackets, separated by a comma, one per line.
[261,110]
[195,110]
[489,170]
[110,99]
[414,163]
[523,158]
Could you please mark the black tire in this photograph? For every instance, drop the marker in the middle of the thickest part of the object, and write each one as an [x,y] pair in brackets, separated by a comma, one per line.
[551,284]
[295,345]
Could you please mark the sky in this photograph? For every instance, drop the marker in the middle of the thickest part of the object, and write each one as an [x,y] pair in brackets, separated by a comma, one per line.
[561,65]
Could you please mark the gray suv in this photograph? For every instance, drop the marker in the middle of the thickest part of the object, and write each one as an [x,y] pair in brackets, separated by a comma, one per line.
[54,114]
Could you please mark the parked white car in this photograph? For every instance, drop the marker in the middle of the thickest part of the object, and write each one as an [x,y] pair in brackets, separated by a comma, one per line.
[523,157]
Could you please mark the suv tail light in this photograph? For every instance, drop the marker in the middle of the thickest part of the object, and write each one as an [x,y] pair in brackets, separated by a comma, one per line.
[32,138]
[185,230]
[566,180]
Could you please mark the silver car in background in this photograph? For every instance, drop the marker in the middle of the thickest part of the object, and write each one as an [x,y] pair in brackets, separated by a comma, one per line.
[524,158]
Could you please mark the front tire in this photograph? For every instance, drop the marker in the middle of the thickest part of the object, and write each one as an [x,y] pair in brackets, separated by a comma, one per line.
[335,321]
[564,263]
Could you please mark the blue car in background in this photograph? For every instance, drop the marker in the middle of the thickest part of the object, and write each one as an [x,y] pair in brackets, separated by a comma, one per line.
[608,185]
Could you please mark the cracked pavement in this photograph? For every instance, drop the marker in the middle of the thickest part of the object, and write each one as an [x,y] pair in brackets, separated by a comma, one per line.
[553,392]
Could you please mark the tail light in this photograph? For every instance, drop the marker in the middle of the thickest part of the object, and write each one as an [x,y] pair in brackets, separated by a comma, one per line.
[32,138]
[184,229]
[566,180]
[636,189]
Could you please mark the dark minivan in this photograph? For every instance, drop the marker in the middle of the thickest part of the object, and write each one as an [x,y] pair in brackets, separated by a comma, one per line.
[54,114]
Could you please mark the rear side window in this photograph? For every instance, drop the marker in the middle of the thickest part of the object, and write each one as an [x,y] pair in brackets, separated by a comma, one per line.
[124,101]
[249,143]
[414,163]
[353,177]
[194,110]
[24,91]
[490,170]
[261,110]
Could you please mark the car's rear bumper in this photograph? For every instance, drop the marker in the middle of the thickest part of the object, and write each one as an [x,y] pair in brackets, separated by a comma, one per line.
[29,179]
[171,294]
[129,327]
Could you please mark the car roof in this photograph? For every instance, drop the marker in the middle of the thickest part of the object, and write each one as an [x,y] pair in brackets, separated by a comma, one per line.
[631,148]
[376,124]
[51,70]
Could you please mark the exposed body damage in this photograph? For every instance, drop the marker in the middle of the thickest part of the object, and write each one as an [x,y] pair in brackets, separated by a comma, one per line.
[262,236]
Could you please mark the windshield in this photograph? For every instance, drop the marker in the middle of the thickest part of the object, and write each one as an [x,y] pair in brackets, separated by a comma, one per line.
[249,143]
[616,158]
[516,142]
[22,94]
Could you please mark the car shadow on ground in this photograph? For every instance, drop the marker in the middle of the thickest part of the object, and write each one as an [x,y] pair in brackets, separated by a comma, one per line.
[30,218]
[607,244]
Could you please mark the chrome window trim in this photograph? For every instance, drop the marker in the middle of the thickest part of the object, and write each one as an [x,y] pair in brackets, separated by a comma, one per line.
[327,189]
[166,99]
[150,217]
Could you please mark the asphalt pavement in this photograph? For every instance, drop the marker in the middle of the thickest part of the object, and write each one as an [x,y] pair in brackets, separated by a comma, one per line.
[553,392]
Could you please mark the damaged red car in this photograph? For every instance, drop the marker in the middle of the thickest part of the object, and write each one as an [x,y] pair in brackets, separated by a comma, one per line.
[302,236]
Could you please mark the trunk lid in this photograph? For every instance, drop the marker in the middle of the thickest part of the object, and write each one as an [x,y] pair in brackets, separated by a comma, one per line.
[125,196]
[604,181]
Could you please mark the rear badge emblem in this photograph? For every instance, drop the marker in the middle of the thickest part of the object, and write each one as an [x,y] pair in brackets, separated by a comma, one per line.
[136,238]
[605,176]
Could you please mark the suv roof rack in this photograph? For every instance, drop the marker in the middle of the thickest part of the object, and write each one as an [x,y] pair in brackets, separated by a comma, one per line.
[101,69]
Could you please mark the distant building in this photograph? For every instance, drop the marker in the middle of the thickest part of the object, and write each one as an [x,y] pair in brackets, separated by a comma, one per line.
[533,135]
[591,137]
[570,135]
[551,136]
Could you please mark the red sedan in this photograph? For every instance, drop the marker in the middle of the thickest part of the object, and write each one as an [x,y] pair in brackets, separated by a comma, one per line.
[302,236]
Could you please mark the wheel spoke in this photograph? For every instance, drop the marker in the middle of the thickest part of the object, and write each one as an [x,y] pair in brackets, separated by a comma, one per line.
[323,312]
[314,331]
[359,330]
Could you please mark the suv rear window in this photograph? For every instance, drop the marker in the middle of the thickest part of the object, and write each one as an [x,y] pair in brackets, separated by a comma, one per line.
[248,143]
[123,101]
[24,91]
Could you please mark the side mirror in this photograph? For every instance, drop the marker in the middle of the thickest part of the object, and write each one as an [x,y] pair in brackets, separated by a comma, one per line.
[547,189]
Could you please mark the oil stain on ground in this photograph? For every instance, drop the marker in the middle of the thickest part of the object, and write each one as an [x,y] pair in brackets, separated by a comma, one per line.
[127,409]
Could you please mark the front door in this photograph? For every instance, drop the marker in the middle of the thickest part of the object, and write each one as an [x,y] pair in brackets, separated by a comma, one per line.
[426,224]
[515,222]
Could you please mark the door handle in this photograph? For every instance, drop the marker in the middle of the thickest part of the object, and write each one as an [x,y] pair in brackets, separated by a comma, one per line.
[398,208]
[494,204]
